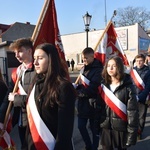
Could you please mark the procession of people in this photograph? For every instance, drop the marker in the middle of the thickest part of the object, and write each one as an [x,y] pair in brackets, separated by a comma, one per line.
[109,98]
[109,101]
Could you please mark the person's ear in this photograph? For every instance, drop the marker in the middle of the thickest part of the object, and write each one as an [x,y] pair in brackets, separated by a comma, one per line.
[30,51]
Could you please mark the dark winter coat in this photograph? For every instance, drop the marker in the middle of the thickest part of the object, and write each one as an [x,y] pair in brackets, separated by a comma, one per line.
[126,93]
[93,73]
[58,118]
[144,73]
[3,91]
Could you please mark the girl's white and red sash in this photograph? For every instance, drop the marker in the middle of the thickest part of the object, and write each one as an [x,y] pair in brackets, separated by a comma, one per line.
[41,135]
[110,99]
[113,102]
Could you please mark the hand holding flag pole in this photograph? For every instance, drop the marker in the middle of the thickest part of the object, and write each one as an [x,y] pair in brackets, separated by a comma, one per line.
[107,27]
[10,104]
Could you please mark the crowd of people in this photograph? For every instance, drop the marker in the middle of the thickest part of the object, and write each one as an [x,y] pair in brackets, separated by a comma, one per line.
[110,102]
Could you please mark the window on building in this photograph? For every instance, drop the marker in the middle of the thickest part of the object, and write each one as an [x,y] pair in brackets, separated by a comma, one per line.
[12,61]
[79,59]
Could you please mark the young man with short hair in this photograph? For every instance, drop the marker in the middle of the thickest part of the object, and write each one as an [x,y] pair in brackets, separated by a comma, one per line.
[87,97]
[23,49]
[142,93]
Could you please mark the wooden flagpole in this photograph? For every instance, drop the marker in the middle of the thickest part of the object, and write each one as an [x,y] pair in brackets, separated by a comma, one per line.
[78,78]
[106,29]
[37,28]
[10,104]
[2,131]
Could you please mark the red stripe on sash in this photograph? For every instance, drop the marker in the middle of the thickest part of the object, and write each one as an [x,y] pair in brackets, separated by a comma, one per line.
[113,107]
[135,80]
[39,143]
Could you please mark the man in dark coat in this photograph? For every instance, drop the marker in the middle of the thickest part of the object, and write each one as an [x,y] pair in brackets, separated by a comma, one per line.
[87,97]
[72,65]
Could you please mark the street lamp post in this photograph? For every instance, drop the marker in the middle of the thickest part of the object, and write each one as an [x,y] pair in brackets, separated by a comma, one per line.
[87,20]
[105,13]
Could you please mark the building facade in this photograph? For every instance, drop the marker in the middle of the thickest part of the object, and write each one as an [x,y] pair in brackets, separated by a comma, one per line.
[133,39]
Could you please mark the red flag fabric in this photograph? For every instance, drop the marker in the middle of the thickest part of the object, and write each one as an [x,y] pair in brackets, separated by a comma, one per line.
[109,45]
[47,28]
[5,141]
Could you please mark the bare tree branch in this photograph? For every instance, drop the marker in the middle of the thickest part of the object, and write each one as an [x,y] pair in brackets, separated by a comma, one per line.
[129,16]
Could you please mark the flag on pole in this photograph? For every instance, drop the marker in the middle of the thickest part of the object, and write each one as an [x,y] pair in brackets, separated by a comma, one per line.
[109,45]
[47,29]
[5,141]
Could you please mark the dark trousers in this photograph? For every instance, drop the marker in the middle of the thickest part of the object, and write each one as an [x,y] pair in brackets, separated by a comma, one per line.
[72,67]
[142,116]
[82,126]
[22,132]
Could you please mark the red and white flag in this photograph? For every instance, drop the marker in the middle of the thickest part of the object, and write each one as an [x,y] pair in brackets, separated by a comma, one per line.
[5,141]
[47,29]
[109,45]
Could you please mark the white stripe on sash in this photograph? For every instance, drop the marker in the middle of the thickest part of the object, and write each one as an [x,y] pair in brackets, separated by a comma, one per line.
[113,102]
[137,79]
[21,90]
[43,132]
[85,81]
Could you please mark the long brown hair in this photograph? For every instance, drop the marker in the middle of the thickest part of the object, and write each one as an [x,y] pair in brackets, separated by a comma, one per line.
[55,75]
[120,70]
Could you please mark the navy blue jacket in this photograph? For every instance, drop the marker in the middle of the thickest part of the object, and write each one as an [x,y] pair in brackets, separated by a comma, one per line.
[93,73]
[144,73]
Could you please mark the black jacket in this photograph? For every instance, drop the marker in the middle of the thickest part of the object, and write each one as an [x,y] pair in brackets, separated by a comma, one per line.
[144,73]
[3,91]
[58,118]
[126,93]
[19,101]
[93,73]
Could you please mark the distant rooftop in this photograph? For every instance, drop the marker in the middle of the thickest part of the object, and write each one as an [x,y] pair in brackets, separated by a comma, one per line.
[4,27]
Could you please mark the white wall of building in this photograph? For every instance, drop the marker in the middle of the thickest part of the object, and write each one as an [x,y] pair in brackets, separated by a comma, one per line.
[128,35]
